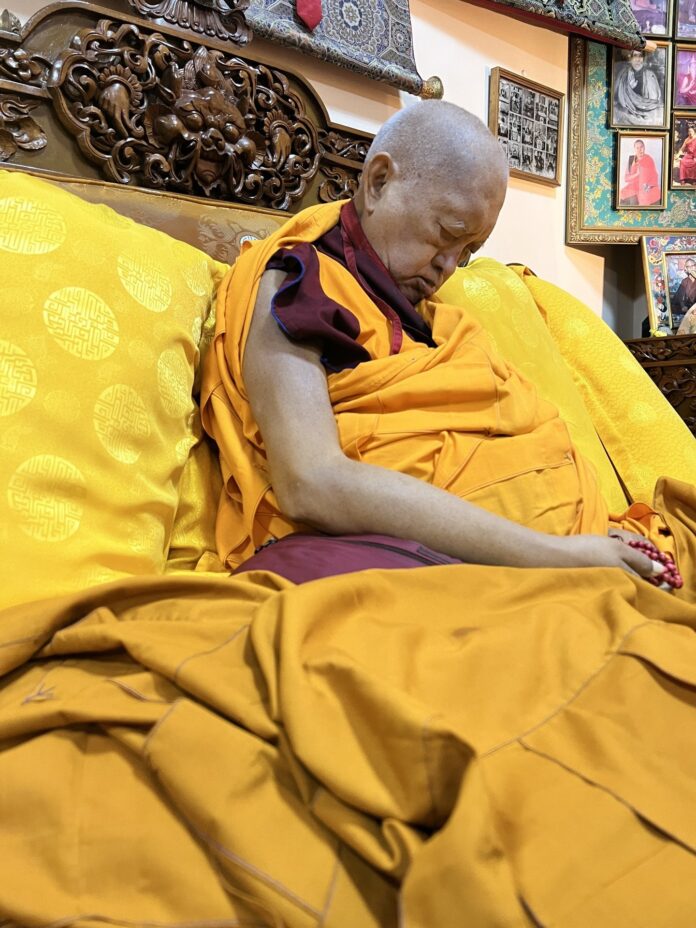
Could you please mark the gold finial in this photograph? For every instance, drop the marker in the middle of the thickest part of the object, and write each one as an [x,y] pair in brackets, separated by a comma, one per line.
[432,89]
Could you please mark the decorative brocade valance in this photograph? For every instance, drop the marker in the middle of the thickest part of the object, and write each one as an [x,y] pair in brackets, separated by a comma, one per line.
[607,20]
[371,37]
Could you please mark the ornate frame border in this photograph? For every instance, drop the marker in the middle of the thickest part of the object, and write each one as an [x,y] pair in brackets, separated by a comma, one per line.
[654,248]
[579,229]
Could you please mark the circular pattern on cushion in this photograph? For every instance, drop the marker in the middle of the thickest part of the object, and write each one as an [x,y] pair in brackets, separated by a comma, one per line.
[197,276]
[121,422]
[81,323]
[28,228]
[482,293]
[17,379]
[174,383]
[46,493]
[145,281]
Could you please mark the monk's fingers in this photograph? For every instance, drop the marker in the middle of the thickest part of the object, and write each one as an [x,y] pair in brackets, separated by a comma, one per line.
[621,534]
[640,563]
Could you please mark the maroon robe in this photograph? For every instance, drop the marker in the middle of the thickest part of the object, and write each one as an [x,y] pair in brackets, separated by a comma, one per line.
[306,314]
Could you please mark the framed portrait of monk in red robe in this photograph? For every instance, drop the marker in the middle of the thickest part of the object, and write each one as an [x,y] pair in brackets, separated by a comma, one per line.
[641,170]
[683,162]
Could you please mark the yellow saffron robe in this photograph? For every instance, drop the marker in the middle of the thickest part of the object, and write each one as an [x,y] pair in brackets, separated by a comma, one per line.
[457,416]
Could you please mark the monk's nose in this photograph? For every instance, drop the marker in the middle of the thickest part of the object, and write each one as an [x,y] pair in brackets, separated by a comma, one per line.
[445,264]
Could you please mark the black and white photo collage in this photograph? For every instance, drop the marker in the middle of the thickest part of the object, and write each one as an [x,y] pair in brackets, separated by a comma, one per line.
[527,129]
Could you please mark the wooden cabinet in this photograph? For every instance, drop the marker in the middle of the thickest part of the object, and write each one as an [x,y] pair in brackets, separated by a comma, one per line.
[671,363]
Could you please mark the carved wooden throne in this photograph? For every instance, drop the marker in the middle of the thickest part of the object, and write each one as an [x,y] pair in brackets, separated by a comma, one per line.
[157,95]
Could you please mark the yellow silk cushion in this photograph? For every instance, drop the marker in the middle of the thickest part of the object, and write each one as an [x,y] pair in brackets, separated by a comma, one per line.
[101,320]
[644,435]
[501,302]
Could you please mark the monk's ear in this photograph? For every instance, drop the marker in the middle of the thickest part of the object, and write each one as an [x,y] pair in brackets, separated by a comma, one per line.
[376,176]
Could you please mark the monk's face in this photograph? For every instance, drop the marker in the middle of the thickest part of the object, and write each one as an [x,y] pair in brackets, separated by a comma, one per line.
[422,234]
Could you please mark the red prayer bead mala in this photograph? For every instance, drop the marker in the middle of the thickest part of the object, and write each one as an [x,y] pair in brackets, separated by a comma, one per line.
[670,578]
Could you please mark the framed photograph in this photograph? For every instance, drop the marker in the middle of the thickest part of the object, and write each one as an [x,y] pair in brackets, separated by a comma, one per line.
[685,77]
[653,16]
[641,168]
[527,119]
[686,20]
[639,91]
[592,216]
[669,264]
[683,160]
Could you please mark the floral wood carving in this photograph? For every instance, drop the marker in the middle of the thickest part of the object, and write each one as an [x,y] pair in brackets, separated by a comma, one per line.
[342,165]
[18,65]
[161,113]
[671,364]
[222,19]
[333,143]
[17,128]
[340,184]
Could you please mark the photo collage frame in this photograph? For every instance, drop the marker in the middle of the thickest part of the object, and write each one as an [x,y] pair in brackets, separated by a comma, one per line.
[527,120]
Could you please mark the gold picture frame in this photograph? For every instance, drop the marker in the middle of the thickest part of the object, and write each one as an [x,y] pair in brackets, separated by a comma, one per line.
[591,217]
[684,78]
[527,119]
[682,169]
[649,71]
[667,262]
[642,166]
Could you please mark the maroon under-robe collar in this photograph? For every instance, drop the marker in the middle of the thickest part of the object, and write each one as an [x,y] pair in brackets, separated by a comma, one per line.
[367,267]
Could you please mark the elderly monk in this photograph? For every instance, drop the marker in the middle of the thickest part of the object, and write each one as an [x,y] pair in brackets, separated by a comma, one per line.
[345,398]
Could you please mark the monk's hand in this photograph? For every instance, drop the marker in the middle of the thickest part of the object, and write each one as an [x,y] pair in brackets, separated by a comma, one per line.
[623,535]
[600,551]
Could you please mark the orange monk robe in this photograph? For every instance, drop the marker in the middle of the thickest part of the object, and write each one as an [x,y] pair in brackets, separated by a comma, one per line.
[457,416]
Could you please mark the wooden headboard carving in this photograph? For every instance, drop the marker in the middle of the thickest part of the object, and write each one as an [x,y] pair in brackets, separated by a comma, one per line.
[220,18]
[90,95]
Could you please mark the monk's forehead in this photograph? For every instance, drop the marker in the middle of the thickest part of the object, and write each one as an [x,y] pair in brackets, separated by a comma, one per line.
[469,210]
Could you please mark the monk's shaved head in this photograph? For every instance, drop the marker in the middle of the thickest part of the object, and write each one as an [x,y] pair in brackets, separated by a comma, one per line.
[433,141]
[433,185]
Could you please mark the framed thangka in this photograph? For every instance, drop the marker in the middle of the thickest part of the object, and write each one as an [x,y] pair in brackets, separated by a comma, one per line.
[595,177]
[640,87]
[669,264]
[527,120]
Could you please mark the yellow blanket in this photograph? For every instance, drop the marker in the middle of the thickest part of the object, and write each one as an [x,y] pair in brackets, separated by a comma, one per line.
[457,416]
[444,746]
